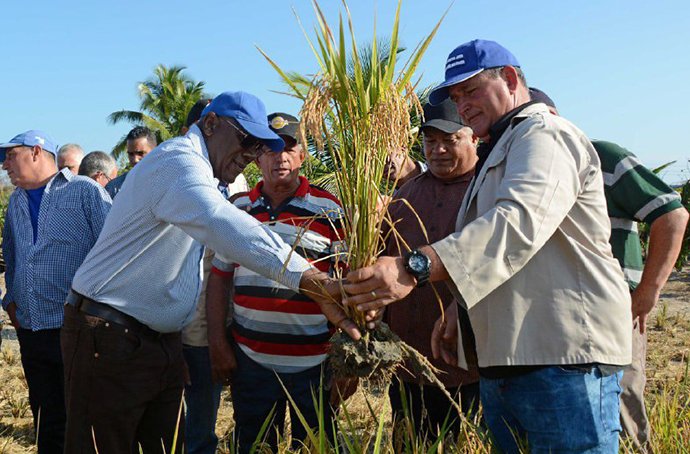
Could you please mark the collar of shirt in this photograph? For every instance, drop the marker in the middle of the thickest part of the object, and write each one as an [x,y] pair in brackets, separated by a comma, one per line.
[302,190]
[467,176]
[60,178]
[194,134]
[495,132]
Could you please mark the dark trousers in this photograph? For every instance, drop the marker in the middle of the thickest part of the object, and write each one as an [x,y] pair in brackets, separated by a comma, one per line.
[257,390]
[123,387]
[429,408]
[202,397]
[42,362]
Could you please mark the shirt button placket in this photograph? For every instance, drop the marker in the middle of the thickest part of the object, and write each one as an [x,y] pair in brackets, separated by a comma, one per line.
[31,294]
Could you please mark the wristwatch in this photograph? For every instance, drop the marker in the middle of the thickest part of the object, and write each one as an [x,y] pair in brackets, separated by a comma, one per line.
[418,265]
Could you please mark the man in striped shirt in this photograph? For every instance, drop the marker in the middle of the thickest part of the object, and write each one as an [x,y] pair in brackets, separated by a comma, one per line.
[275,330]
[635,194]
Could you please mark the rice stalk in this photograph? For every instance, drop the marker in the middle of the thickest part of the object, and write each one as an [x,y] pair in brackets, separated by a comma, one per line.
[358,112]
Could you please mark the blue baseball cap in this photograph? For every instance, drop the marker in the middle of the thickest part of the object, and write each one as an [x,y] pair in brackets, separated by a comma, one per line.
[249,112]
[469,59]
[29,139]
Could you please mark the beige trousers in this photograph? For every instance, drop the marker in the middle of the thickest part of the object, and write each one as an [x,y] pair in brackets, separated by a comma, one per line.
[633,414]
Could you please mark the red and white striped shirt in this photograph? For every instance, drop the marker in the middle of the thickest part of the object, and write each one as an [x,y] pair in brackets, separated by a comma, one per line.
[275,326]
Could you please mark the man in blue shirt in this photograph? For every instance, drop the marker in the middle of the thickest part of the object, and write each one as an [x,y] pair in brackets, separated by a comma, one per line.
[140,141]
[139,285]
[53,219]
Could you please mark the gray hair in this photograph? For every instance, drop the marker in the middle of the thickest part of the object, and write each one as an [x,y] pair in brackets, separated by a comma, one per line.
[495,73]
[70,147]
[97,161]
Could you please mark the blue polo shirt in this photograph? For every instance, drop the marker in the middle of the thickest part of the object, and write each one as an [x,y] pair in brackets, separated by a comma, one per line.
[35,197]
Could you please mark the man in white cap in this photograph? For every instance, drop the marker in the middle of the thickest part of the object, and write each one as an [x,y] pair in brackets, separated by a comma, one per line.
[530,260]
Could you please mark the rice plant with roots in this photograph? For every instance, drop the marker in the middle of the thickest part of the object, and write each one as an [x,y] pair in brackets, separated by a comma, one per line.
[357,110]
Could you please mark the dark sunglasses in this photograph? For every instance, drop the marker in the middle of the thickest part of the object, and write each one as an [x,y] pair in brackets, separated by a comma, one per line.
[248,142]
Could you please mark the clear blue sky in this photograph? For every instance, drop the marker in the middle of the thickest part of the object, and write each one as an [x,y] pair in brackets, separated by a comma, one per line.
[618,69]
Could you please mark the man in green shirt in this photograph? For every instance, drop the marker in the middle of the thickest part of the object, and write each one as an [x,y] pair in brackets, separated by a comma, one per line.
[635,194]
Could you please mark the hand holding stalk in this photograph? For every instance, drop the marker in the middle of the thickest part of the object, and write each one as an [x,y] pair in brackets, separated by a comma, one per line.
[327,293]
[376,286]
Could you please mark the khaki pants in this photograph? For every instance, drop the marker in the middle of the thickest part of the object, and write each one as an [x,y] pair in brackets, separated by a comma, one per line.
[633,414]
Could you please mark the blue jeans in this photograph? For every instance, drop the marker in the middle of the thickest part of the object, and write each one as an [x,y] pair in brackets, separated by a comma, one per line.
[555,410]
[256,390]
[202,398]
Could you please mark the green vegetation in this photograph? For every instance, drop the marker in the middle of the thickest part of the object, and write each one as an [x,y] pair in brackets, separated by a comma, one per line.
[166,99]
[357,109]
[5,192]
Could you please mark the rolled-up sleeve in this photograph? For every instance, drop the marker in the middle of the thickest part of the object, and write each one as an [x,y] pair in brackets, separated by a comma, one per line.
[198,208]
[541,183]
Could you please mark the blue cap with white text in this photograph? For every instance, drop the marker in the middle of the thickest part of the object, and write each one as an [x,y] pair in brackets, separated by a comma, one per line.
[249,112]
[29,139]
[469,59]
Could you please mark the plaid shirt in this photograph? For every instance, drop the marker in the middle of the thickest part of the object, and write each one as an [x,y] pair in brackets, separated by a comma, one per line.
[39,274]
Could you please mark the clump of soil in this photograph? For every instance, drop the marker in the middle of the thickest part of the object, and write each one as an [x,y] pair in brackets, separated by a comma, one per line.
[376,357]
[378,351]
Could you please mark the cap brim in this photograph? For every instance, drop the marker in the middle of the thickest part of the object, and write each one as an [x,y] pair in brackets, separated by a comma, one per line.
[4,147]
[291,131]
[449,127]
[291,136]
[263,132]
[440,93]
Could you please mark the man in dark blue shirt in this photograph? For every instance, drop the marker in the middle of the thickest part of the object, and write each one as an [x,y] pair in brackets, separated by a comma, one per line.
[140,141]
[53,220]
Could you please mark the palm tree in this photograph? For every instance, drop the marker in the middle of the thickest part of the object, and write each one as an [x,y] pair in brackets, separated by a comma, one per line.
[166,98]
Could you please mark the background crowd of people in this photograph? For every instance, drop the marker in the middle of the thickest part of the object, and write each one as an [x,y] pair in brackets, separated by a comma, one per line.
[175,278]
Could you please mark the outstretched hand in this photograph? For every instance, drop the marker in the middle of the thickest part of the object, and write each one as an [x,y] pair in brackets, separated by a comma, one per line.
[376,286]
[327,293]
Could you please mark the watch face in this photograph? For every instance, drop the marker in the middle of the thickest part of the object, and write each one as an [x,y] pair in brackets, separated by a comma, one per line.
[418,263]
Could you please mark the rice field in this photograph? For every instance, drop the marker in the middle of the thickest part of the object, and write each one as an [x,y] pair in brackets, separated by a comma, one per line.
[668,395]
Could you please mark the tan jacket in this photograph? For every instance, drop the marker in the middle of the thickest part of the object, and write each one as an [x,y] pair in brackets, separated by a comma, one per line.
[530,257]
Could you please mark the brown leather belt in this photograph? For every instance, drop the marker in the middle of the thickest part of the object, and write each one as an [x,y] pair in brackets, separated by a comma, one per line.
[108,313]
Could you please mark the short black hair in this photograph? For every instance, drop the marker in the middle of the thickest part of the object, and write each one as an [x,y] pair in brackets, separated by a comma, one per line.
[143,132]
[195,112]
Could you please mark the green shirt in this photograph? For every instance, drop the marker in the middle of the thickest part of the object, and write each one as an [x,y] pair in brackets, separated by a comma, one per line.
[633,194]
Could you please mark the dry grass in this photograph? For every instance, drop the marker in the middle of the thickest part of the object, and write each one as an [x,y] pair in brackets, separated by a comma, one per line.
[668,393]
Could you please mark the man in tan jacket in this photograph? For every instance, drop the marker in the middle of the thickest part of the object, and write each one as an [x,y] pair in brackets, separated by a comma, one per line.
[531,262]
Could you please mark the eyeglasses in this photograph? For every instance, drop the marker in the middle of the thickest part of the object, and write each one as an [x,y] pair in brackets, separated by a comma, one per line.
[99,173]
[248,142]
